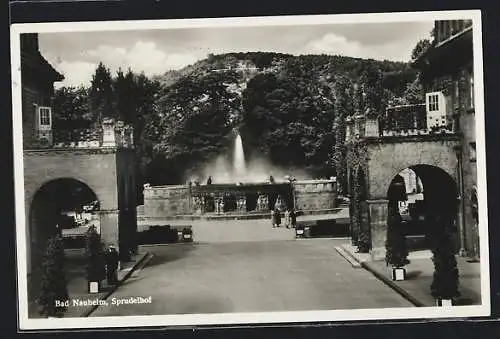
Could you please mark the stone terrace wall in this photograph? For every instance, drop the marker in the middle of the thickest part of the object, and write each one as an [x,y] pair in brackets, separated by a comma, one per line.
[166,201]
[315,194]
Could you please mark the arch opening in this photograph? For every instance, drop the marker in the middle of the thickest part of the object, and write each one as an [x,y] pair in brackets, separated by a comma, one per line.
[64,206]
[423,200]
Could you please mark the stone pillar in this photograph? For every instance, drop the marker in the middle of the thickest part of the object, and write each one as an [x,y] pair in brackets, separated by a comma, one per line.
[108,133]
[359,126]
[378,227]
[109,227]
[372,127]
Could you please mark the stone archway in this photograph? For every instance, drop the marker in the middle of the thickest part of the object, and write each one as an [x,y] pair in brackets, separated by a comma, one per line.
[51,202]
[439,207]
[58,206]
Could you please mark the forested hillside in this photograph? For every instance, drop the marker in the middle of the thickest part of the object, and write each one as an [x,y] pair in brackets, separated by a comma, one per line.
[291,109]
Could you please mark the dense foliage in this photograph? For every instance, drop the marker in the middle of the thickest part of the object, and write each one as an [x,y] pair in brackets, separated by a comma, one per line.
[94,250]
[445,282]
[290,108]
[54,283]
[397,251]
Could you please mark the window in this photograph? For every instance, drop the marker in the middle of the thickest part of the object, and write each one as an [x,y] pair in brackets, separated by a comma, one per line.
[44,114]
[472,152]
[433,103]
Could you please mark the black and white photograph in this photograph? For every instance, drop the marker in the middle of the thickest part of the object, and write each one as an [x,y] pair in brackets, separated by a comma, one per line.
[250,170]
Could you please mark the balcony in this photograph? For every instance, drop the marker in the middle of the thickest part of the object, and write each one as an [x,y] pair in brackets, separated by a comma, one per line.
[399,122]
[111,134]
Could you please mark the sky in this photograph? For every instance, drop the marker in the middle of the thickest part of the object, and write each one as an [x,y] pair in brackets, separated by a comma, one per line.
[76,54]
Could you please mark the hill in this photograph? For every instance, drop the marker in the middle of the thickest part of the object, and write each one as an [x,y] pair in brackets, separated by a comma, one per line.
[289,109]
[284,107]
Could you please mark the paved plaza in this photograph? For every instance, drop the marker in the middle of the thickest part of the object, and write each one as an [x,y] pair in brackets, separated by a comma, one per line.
[251,277]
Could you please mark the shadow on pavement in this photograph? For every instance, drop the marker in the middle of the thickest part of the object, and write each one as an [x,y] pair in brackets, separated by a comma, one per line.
[413,275]
[464,302]
[171,253]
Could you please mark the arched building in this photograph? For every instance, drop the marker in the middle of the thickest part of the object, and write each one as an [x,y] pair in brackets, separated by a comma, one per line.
[96,169]
[435,139]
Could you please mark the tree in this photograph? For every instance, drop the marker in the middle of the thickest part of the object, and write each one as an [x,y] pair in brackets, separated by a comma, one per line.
[71,113]
[420,48]
[445,281]
[54,284]
[343,107]
[125,96]
[397,251]
[96,267]
[101,94]
[193,122]
[371,84]
[288,115]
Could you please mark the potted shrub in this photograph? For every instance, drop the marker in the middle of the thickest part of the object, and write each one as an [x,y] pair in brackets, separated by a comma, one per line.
[445,281]
[363,242]
[187,234]
[396,249]
[299,230]
[54,291]
[96,264]
[307,231]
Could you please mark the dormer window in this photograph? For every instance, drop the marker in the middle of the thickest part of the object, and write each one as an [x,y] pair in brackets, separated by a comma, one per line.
[44,117]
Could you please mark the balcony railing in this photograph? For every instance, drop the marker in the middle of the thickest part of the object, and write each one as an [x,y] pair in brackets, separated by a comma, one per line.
[411,120]
[111,134]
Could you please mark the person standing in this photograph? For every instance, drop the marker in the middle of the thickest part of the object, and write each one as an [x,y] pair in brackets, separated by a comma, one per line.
[287,218]
[222,206]
[112,259]
[277,214]
[273,218]
[293,218]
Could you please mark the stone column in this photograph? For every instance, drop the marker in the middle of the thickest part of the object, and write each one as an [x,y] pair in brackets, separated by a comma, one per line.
[372,127]
[378,227]
[109,227]
[359,126]
[108,133]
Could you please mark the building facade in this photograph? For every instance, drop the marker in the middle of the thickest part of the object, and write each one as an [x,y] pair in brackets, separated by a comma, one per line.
[103,160]
[447,71]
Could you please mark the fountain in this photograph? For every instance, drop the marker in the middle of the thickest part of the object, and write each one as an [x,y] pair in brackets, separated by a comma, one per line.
[241,187]
[239,165]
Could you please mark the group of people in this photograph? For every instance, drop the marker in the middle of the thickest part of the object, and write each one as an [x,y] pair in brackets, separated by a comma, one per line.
[289,219]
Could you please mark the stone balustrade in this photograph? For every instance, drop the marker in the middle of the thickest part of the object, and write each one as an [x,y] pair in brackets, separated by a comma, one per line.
[112,134]
[401,121]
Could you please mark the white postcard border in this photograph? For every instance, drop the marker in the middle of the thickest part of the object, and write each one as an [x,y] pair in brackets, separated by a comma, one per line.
[26,323]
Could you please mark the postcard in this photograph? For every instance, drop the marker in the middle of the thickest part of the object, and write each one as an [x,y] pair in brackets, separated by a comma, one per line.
[258,170]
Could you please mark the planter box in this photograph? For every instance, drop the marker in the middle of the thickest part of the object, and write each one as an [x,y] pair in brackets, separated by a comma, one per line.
[398,274]
[307,232]
[94,287]
[444,302]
